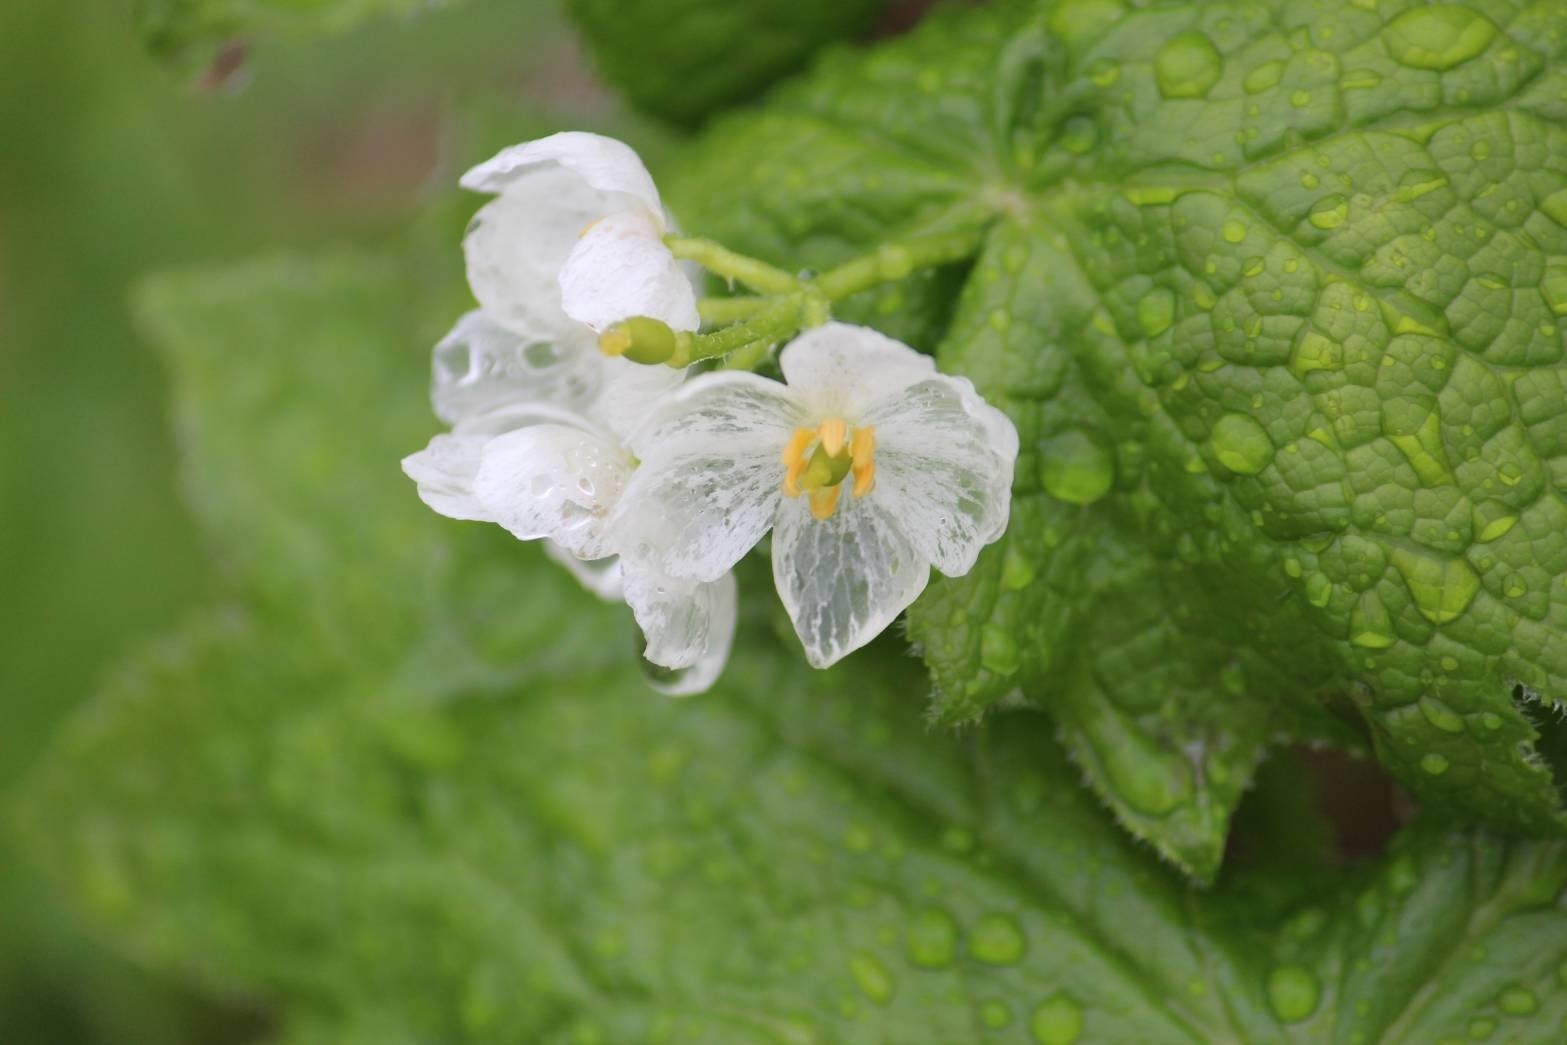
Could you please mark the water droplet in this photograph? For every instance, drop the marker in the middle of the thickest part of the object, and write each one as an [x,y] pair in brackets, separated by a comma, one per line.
[871,977]
[1057,1021]
[1316,352]
[1300,99]
[1491,720]
[1234,231]
[1293,993]
[1075,466]
[997,940]
[1079,135]
[1264,76]
[1187,66]
[1104,72]
[1440,715]
[1443,588]
[1413,425]
[1437,37]
[1369,625]
[1319,590]
[999,651]
[1435,764]
[1308,180]
[1518,1001]
[995,1014]
[1329,212]
[1491,520]
[857,838]
[1360,79]
[1241,444]
[931,939]
[1514,586]
[1482,1028]
[1156,311]
[1554,206]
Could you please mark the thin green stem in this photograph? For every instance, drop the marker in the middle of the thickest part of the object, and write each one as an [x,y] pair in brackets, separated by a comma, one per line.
[894,261]
[779,320]
[720,260]
[722,311]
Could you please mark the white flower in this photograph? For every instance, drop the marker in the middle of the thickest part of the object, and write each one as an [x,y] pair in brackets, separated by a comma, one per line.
[868,466]
[576,230]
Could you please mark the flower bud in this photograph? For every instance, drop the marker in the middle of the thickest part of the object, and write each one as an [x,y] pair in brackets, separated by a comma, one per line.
[641,340]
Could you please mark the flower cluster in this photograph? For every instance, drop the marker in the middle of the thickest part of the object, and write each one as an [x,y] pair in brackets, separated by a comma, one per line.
[651,482]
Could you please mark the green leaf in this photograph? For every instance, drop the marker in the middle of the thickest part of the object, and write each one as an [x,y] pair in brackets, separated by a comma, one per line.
[189,31]
[1274,295]
[456,813]
[683,59]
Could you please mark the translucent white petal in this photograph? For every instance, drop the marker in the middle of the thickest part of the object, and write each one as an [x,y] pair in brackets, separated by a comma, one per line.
[685,624]
[556,481]
[603,163]
[518,241]
[602,577]
[708,484]
[840,369]
[629,393]
[700,676]
[620,268]
[482,365]
[445,471]
[944,460]
[845,578]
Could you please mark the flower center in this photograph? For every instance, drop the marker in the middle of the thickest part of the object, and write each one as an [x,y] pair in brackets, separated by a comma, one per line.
[817,460]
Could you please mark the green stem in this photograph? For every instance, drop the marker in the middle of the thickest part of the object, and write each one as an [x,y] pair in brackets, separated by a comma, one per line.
[721,311]
[720,260]
[779,320]
[894,261]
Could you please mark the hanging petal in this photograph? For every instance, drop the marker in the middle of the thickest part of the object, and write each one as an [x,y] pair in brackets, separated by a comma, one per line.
[707,487]
[688,627]
[602,577]
[553,480]
[482,365]
[604,163]
[845,578]
[518,241]
[944,460]
[445,471]
[621,268]
[840,369]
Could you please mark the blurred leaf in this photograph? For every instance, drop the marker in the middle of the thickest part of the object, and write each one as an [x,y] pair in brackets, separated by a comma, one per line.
[190,32]
[683,59]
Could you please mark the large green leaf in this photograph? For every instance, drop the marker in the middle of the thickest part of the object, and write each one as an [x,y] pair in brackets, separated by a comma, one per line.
[682,59]
[1273,292]
[412,788]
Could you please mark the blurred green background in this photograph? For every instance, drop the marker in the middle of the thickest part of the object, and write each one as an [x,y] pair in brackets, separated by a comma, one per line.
[113,165]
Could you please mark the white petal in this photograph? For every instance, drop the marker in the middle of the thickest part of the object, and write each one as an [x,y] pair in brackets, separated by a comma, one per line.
[482,365]
[602,577]
[620,268]
[555,481]
[518,241]
[603,163]
[944,461]
[686,625]
[708,485]
[840,369]
[445,471]
[629,393]
[845,578]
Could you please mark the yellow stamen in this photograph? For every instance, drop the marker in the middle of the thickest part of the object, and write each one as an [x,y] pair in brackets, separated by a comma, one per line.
[834,432]
[862,449]
[794,459]
[817,461]
[823,501]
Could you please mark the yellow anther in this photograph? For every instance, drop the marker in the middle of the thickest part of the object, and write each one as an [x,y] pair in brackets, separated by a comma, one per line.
[862,451]
[823,501]
[794,459]
[614,341]
[834,433]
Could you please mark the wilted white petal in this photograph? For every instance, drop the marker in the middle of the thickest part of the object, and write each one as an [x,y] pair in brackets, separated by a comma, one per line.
[553,480]
[621,268]
[685,624]
[944,462]
[603,163]
[518,241]
[445,470]
[841,369]
[482,365]
[845,578]
[602,577]
[708,485]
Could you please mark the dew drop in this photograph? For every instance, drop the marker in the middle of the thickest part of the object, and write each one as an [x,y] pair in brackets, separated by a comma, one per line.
[1292,993]
[871,977]
[1187,66]
[1264,76]
[997,940]
[1234,231]
[995,1014]
[1076,467]
[1440,715]
[1241,444]
[1104,72]
[1518,1001]
[1329,212]
[1435,764]
[1442,588]
[1481,1029]
[1437,37]
[931,939]
[999,651]
[1492,520]
[1058,1020]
